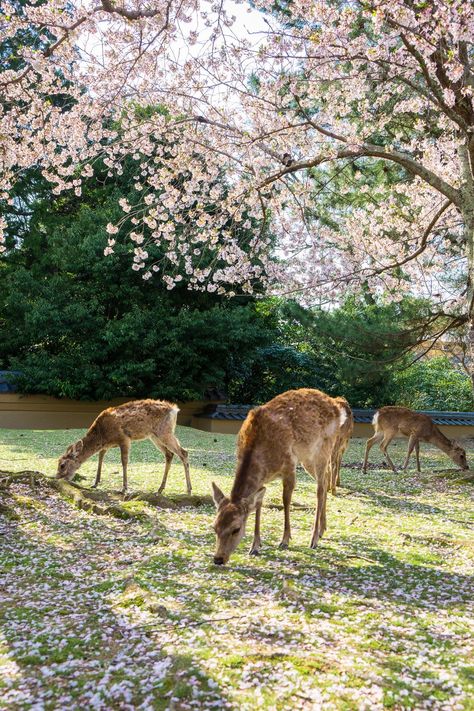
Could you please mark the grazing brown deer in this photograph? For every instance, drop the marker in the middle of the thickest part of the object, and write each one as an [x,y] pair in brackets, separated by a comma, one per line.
[118,427]
[296,426]
[342,441]
[390,422]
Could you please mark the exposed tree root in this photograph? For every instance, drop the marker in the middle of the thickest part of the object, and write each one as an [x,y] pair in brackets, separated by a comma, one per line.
[102,503]
[177,502]
[466,479]
[7,478]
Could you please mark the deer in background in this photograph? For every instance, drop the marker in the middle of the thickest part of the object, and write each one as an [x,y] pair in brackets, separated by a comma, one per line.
[118,427]
[341,443]
[390,422]
[296,426]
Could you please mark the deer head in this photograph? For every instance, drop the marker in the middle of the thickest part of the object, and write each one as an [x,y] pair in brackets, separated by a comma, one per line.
[69,463]
[458,455]
[230,521]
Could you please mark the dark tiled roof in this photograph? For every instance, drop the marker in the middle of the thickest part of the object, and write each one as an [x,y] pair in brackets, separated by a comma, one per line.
[450,418]
[227,412]
[239,412]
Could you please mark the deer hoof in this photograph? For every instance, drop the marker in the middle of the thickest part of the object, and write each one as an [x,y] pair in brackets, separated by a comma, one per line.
[283,546]
[254,551]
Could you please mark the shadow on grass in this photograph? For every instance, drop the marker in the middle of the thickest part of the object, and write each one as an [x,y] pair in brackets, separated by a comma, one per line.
[367,572]
[63,603]
[404,505]
[70,646]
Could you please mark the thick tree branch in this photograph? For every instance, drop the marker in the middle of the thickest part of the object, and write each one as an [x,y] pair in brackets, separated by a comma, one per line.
[369,150]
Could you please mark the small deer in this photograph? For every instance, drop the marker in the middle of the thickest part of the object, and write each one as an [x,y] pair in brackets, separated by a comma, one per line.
[341,444]
[390,422]
[118,427]
[296,426]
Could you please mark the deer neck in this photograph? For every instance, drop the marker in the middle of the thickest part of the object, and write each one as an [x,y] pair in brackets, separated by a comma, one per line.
[249,478]
[91,444]
[441,441]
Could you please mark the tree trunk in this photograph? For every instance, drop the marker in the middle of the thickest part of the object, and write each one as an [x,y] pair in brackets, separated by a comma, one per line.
[469,231]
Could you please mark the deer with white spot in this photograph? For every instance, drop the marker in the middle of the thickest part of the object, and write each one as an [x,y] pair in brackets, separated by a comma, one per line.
[296,426]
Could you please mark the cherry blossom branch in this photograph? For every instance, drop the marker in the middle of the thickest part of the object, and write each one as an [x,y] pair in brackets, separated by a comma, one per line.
[438,94]
[105,6]
[109,6]
[423,242]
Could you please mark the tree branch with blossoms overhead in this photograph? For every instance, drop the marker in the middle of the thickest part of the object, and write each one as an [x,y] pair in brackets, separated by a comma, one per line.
[251,120]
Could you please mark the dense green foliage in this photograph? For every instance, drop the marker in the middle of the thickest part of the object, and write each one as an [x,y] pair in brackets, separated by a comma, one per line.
[358,350]
[434,384]
[80,325]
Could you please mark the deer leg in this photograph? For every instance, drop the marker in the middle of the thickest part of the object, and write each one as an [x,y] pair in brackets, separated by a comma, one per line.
[124,450]
[288,488]
[257,541]
[320,518]
[99,469]
[171,443]
[168,458]
[377,437]
[331,473]
[386,441]
[338,471]
[417,451]
[334,471]
[411,447]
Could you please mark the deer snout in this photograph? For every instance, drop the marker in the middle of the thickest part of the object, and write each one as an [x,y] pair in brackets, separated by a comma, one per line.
[64,475]
[218,560]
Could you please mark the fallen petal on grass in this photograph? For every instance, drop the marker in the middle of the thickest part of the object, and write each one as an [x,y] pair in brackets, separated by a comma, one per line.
[103,611]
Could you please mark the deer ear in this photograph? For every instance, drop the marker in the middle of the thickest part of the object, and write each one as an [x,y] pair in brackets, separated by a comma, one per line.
[77,448]
[217,495]
[255,499]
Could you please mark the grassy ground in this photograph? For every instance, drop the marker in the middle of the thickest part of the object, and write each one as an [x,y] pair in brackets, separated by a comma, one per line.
[102,613]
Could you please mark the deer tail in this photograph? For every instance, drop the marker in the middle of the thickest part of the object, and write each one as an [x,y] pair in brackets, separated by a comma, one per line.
[342,417]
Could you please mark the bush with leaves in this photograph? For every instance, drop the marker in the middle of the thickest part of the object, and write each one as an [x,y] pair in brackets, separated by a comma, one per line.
[435,384]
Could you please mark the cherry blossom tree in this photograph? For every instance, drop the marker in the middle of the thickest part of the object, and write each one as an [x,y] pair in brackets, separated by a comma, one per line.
[281,106]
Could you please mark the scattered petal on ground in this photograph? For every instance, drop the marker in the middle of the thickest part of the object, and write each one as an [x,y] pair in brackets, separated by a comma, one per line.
[103,613]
